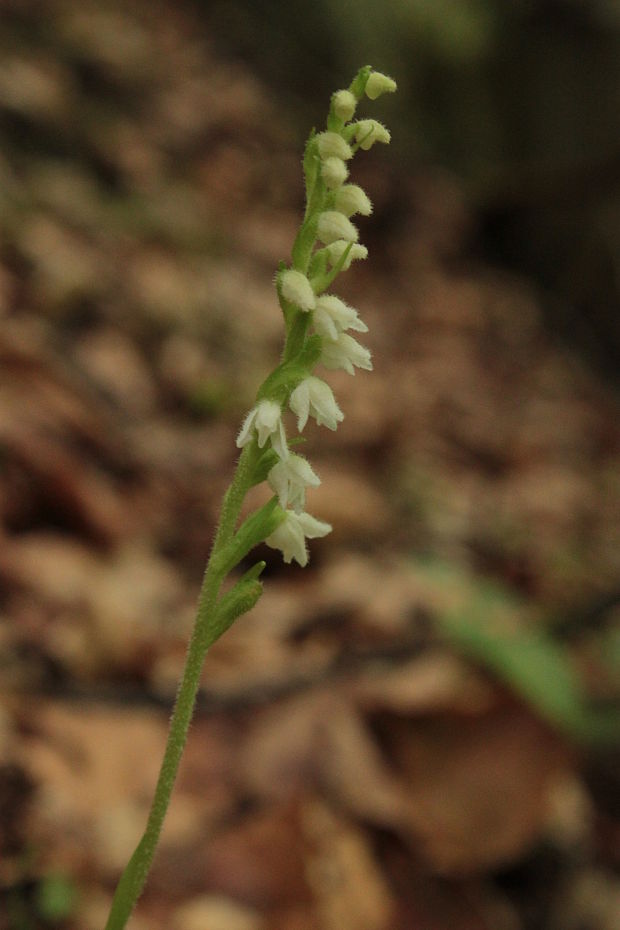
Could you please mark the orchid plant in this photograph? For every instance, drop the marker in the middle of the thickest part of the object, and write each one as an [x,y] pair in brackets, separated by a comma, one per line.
[318,326]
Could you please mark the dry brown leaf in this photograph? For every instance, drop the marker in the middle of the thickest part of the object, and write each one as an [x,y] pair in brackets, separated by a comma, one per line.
[480,789]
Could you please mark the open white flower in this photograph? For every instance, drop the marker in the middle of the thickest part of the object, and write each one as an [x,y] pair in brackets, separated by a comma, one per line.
[313,397]
[345,352]
[336,249]
[290,479]
[369,131]
[297,289]
[291,535]
[266,420]
[333,226]
[332,316]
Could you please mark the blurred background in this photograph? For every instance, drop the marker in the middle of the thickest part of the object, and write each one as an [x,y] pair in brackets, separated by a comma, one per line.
[419,731]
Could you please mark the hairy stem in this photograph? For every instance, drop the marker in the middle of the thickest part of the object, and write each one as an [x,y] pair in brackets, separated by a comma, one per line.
[203,635]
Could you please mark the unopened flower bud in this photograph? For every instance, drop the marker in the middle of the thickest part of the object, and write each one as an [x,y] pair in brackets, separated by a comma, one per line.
[332,144]
[335,252]
[378,84]
[333,226]
[344,104]
[352,199]
[369,131]
[297,289]
[334,172]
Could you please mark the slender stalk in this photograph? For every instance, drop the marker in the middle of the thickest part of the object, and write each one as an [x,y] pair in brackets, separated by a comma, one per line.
[203,635]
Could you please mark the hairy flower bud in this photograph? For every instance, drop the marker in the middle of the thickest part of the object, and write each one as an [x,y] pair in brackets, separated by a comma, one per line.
[378,84]
[344,104]
[297,289]
[335,251]
[333,225]
[332,144]
[334,172]
[369,131]
[351,199]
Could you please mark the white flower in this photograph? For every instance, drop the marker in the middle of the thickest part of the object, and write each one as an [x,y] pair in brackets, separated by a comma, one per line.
[266,419]
[344,103]
[332,316]
[335,251]
[352,199]
[378,84]
[334,172]
[369,131]
[291,535]
[312,397]
[290,479]
[345,352]
[297,289]
[332,144]
[333,225]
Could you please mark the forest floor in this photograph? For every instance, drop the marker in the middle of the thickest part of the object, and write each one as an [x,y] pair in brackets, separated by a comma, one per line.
[405,734]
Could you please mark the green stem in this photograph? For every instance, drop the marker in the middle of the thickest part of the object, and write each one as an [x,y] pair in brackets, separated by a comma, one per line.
[203,635]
